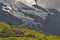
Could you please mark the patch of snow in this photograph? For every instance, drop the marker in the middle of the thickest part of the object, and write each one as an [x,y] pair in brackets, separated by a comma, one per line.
[7,8]
[28,2]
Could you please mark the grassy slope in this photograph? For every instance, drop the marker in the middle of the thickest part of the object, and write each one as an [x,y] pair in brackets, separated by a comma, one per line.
[20,32]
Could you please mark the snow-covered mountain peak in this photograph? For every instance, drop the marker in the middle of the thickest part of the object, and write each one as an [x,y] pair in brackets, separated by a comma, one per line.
[29,15]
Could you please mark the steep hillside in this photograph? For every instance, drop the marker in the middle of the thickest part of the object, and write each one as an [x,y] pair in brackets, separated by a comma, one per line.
[20,32]
[52,22]
[20,13]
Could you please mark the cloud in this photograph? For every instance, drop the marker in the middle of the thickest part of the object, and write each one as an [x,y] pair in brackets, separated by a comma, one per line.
[49,3]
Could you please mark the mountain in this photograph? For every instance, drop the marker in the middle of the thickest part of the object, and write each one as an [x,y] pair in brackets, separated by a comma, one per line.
[35,17]
[41,8]
[5,16]
[29,16]
[52,22]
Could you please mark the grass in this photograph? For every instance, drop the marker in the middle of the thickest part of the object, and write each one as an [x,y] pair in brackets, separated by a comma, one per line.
[21,32]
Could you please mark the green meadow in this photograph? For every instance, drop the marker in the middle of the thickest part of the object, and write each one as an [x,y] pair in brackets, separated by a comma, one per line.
[21,32]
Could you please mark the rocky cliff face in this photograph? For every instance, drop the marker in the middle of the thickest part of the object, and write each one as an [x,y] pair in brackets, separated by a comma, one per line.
[28,15]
